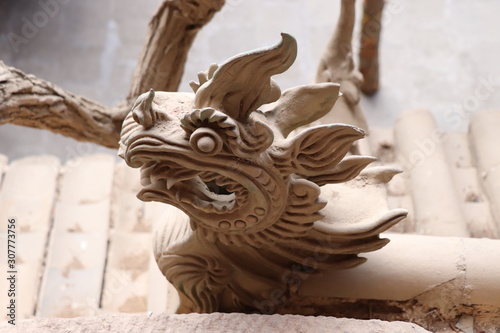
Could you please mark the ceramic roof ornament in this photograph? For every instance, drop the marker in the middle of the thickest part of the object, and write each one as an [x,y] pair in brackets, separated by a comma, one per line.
[256,196]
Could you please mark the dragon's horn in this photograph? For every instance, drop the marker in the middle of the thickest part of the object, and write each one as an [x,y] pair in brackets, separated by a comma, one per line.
[142,111]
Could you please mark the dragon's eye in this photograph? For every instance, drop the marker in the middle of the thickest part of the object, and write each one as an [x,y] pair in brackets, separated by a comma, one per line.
[206,141]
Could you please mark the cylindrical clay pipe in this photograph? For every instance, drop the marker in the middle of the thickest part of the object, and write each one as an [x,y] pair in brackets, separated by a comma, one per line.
[484,138]
[454,271]
[420,150]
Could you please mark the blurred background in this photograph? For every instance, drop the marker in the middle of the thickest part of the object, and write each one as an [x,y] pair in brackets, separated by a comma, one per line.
[442,55]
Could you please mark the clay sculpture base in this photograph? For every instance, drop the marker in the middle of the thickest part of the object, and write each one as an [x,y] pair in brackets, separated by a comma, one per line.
[208,323]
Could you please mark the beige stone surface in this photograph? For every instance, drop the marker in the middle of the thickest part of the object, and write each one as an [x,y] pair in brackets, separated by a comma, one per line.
[210,323]
[475,203]
[28,191]
[162,295]
[158,291]
[126,285]
[479,220]
[73,278]
[457,149]
[410,225]
[491,182]
[29,267]
[126,210]
[467,185]
[482,270]
[484,138]
[422,154]
[85,194]
[382,144]
[484,135]
[27,194]
[403,201]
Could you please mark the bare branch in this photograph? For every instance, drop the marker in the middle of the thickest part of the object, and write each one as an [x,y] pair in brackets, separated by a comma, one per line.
[171,32]
[29,101]
[337,65]
[370,37]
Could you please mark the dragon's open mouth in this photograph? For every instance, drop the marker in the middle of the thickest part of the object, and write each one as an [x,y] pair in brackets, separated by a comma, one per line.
[207,191]
[216,189]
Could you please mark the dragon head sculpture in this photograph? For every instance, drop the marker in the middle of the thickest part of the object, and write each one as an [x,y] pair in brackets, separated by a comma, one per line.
[225,156]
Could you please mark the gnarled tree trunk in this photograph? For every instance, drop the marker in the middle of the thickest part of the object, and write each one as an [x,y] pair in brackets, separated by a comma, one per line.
[171,32]
[29,101]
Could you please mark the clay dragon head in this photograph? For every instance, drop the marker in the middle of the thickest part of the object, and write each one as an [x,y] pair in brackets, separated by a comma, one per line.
[261,195]
[225,155]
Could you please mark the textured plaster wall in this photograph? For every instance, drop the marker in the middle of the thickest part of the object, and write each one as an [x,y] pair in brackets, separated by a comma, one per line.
[436,54]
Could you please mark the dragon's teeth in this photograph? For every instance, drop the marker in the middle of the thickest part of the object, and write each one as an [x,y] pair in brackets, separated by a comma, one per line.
[171,182]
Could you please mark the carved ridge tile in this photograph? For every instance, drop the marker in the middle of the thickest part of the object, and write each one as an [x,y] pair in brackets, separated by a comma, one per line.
[257,198]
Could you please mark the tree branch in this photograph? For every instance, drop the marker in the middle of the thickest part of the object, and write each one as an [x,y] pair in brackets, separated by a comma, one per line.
[337,65]
[29,101]
[171,32]
[370,37]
